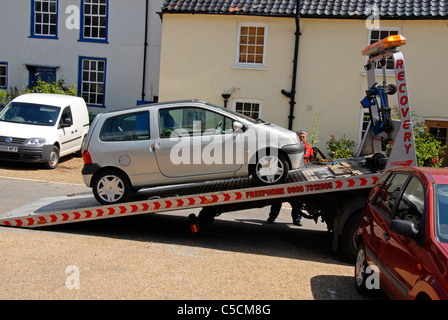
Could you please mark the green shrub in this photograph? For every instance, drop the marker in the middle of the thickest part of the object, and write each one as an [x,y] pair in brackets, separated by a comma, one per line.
[339,149]
[41,86]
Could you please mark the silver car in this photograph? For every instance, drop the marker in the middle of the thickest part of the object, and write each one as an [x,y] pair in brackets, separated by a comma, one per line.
[183,142]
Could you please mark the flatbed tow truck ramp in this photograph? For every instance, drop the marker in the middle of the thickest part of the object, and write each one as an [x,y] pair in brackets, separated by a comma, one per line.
[333,190]
[313,179]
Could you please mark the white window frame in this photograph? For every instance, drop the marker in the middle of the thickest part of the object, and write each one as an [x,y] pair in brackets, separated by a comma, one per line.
[253,101]
[378,72]
[255,66]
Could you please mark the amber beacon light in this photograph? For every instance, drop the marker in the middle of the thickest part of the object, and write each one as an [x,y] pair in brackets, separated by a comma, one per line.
[384,44]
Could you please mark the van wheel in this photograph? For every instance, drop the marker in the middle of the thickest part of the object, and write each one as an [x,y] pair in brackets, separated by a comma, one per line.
[270,169]
[111,187]
[52,158]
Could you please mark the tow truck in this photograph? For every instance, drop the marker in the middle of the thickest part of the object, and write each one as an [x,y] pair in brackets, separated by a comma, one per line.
[334,191]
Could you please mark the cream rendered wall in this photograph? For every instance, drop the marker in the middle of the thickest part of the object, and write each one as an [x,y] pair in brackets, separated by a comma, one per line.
[198,55]
[198,59]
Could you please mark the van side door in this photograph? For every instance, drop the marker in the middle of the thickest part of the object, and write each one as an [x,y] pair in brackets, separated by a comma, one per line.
[70,135]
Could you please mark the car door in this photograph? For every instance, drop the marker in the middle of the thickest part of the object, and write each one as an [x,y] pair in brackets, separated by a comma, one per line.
[401,254]
[195,141]
[379,215]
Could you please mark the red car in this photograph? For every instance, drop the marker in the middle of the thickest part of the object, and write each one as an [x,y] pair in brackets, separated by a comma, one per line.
[403,238]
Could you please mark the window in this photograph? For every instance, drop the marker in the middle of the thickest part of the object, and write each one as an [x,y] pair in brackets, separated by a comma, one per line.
[44,19]
[390,193]
[439,130]
[192,121]
[412,203]
[251,109]
[66,116]
[3,75]
[251,46]
[376,35]
[128,127]
[441,212]
[94,20]
[92,80]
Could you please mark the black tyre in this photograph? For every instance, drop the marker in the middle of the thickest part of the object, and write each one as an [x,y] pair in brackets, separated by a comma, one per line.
[111,187]
[270,168]
[349,237]
[52,158]
[360,272]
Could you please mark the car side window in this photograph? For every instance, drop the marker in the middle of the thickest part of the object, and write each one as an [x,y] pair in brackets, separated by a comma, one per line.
[190,121]
[128,127]
[390,193]
[412,203]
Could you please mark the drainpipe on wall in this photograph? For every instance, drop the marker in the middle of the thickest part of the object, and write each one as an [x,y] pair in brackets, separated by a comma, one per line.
[144,51]
[292,94]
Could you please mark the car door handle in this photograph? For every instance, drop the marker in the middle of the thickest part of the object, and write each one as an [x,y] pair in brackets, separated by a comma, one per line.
[386,236]
[153,148]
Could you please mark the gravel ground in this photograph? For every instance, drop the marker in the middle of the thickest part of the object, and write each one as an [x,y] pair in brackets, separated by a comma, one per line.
[154,257]
[68,171]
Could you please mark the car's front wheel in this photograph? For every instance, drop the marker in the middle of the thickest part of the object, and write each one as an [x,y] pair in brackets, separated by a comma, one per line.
[52,158]
[361,272]
[270,169]
[111,187]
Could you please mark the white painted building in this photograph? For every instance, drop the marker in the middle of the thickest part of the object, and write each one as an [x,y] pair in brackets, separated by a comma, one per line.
[110,49]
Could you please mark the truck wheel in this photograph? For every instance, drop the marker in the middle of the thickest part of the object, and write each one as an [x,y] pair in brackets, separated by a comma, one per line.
[349,236]
[111,187]
[52,158]
[360,271]
[270,169]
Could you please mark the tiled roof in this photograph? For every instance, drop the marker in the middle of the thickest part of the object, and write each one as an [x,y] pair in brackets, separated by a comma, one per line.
[389,9]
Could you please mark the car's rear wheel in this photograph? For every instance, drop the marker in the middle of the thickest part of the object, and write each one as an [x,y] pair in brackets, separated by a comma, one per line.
[111,187]
[270,169]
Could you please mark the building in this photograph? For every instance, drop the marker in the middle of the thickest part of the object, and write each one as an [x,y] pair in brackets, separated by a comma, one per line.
[110,49]
[241,54]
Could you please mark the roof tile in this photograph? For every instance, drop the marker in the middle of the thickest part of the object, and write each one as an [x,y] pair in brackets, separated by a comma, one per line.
[313,8]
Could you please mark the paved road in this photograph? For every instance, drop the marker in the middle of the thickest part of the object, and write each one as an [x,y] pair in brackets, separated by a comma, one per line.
[152,256]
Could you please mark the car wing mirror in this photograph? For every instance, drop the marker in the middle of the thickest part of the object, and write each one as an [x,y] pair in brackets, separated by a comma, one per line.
[404,228]
[238,126]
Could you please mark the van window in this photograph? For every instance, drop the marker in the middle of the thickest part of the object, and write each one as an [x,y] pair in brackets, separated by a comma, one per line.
[66,115]
[30,113]
[128,127]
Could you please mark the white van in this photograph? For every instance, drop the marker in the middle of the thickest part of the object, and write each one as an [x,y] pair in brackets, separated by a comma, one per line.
[40,127]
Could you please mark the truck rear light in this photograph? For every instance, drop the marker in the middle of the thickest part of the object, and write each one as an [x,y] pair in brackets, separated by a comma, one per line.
[86,157]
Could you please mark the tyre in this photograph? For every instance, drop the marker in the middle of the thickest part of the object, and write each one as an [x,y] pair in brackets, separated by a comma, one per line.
[111,187]
[52,158]
[270,169]
[350,235]
[360,272]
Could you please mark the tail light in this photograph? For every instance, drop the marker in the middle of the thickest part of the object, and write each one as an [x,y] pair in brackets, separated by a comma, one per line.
[86,157]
